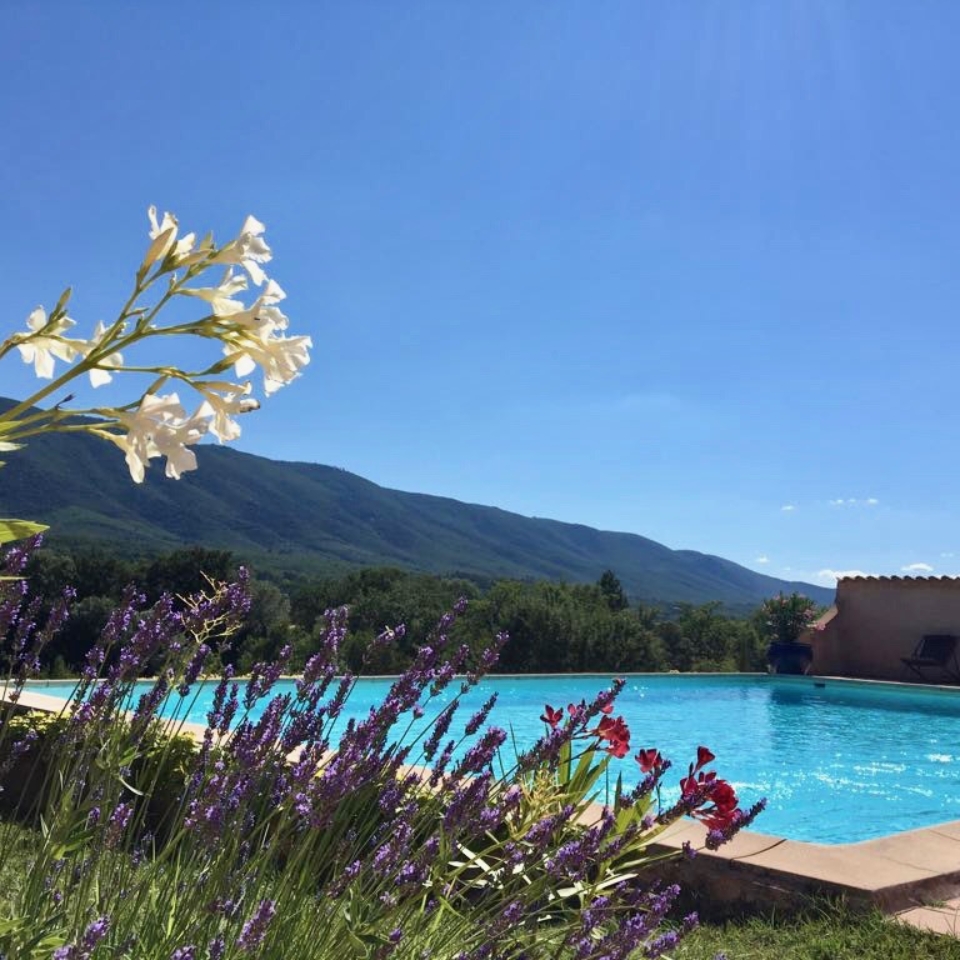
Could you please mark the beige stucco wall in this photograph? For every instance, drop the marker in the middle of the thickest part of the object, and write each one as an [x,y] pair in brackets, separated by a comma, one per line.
[878,620]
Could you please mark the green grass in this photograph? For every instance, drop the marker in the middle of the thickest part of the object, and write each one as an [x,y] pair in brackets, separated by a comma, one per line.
[824,932]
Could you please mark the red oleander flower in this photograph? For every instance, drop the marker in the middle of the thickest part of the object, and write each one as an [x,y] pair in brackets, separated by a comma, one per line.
[717,806]
[618,748]
[720,809]
[690,784]
[609,729]
[724,797]
[704,756]
[649,759]
[551,716]
[607,709]
[616,733]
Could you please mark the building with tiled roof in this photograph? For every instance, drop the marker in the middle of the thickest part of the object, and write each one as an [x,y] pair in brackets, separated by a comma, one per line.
[875,622]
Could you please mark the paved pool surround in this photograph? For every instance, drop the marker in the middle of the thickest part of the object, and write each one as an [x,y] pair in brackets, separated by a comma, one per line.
[758,872]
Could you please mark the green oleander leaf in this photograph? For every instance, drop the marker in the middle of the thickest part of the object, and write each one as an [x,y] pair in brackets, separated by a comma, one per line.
[11,530]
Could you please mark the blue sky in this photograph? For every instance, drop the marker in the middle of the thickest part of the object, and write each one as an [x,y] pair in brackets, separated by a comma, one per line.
[685,270]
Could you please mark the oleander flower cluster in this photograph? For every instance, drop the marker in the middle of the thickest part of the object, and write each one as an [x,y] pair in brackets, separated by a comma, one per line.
[240,313]
[703,795]
[290,827]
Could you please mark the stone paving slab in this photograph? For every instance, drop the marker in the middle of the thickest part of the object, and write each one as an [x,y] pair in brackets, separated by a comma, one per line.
[897,873]
[943,919]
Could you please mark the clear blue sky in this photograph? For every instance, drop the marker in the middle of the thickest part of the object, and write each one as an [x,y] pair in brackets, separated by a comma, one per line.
[686,270]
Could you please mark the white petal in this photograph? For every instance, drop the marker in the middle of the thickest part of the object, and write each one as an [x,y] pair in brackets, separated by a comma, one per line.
[244,365]
[135,465]
[273,292]
[180,460]
[37,319]
[256,274]
[43,363]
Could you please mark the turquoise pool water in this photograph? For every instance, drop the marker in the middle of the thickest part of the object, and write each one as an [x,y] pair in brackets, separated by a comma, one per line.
[838,762]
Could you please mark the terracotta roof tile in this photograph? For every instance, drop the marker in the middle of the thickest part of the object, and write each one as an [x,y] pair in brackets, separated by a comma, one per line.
[897,579]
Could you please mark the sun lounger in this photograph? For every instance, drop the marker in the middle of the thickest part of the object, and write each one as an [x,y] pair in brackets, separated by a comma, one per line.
[935,652]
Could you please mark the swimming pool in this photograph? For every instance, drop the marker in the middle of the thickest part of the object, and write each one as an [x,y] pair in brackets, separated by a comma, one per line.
[838,761]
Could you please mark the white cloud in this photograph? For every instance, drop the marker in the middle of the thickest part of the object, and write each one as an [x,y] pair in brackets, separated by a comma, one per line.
[871,501]
[830,577]
[947,555]
[788,508]
[917,568]
[763,558]
[854,502]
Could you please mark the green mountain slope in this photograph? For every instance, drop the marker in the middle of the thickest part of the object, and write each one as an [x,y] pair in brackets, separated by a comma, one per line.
[299,517]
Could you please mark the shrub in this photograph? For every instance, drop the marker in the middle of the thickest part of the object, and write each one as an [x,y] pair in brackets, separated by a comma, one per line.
[785,618]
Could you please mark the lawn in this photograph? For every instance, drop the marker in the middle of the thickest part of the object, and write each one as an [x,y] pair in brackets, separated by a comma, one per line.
[822,932]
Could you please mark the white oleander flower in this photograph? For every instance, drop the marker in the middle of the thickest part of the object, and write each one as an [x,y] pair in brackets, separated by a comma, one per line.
[45,342]
[266,306]
[280,358]
[98,375]
[221,299]
[263,314]
[160,428]
[164,237]
[222,401]
[249,250]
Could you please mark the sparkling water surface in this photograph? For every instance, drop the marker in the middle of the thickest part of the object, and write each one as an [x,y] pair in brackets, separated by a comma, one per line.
[837,761]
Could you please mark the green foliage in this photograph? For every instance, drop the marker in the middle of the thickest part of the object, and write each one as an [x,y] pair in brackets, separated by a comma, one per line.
[784,618]
[152,777]
[553,627]
[612,591]
[11,530]
[558,628]
[824,932]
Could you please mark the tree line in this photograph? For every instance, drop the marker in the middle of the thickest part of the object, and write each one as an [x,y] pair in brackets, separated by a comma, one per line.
[553,627]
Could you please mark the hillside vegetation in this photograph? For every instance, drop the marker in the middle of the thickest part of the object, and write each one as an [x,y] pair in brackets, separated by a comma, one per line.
[294,519]
[553,628]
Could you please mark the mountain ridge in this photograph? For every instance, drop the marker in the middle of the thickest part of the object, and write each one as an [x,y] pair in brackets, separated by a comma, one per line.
[300,517]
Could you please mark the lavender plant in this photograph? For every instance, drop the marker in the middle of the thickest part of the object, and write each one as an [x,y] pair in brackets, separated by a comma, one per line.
[284,831]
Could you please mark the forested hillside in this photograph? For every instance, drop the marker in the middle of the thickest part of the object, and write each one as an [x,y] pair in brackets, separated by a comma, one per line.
[299,518]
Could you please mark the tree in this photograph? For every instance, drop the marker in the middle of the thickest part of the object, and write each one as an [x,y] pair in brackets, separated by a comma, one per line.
[612,591]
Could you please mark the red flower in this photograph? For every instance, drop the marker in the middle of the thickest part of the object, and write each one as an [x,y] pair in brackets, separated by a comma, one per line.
[607,709]
[649,759]
[689,785]
[609,729]
[551,716]
[713,801]
[616,733]
[724,796]
[618,748]
[704,756]
[720,808]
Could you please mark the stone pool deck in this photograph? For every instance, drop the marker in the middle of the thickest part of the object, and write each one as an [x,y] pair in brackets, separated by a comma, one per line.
[910,875]
[913,876]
